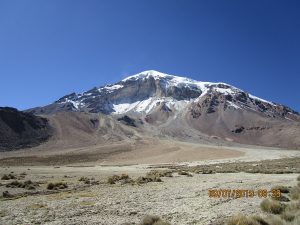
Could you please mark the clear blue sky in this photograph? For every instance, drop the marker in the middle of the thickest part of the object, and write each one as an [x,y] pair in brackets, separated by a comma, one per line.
[52,48]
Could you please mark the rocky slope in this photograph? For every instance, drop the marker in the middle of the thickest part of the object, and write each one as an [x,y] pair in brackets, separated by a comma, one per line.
[20,130]
[178,107]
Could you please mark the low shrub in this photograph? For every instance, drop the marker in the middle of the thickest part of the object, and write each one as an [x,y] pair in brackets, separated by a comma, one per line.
[57,186]
[28,184]
[271,206]
[278,213]
[185,173]
[295,193]
[160,173]
[244,220]
[276,220]
[123,179]
[153,220]
[147,179]
[8,177]
[85,180]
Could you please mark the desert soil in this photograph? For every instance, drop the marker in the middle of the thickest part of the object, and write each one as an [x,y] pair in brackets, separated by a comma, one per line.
[179,199]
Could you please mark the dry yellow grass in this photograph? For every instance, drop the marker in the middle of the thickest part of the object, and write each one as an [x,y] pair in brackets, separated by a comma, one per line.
[271,206]
[153,220]
[242,220]
[87,194]
[36,206]
[286,213]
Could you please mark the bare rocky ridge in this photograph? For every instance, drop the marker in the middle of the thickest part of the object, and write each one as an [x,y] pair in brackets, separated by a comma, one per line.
[21,130]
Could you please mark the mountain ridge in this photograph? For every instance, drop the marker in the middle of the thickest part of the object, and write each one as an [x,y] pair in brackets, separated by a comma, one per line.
[113,98]
[160,105]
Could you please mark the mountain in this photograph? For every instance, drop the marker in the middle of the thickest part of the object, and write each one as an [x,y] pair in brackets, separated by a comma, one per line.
[20,130]
[143,92]
[177,107]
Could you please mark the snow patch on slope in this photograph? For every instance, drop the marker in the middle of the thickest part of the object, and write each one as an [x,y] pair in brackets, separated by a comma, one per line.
[260,99]
[110,88]
[231,104]
[147,105]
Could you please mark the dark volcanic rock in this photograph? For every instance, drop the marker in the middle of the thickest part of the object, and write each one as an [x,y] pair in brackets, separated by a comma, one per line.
[21,130]
[239,130]
[128,121]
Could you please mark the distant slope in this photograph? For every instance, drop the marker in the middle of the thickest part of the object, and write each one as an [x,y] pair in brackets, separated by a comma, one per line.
[164,105]
[21,130]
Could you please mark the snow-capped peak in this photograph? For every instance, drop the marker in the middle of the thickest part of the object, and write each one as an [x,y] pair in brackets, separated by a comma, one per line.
[149,91]
[146,74]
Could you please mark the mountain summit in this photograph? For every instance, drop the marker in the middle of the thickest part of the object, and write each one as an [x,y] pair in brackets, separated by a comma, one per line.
[162,105]
[142,93]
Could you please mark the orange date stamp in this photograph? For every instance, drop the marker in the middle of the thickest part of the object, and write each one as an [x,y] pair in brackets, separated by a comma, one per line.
[243,193]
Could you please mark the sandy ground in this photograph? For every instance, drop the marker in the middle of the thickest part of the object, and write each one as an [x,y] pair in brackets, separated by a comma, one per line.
[179,199]
[147,151]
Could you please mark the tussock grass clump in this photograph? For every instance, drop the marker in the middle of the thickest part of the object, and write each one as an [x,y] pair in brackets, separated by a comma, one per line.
[57,186]
[147,179]
[111,180]
[8,177]
[153,220]
[270,206]
[245,220]
[184,173]
[160,173]
[295,193]
[28,184]
[83,179]
[288,216]
[276,220]
[277,212]
[87,180]
[123,179]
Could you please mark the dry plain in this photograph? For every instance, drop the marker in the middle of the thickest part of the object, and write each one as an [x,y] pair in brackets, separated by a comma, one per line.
[179,199]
